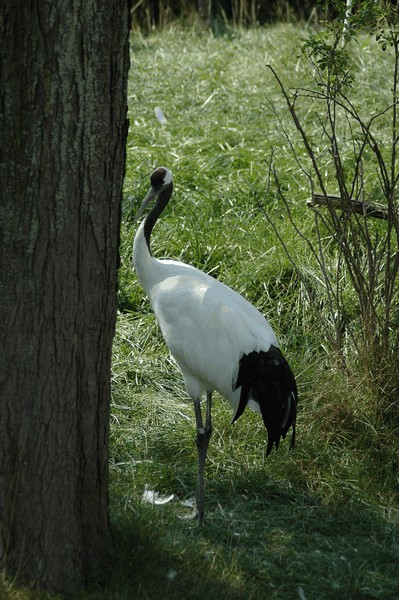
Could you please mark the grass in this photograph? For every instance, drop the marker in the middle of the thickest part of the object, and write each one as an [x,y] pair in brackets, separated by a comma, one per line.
[318,522]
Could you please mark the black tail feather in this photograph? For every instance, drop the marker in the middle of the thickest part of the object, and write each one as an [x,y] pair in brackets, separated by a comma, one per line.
[266,377]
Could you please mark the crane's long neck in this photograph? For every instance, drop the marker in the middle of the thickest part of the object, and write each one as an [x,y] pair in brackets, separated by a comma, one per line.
[146,266]
[155,213]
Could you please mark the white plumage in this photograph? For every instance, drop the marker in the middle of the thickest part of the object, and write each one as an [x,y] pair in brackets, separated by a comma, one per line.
[219,340]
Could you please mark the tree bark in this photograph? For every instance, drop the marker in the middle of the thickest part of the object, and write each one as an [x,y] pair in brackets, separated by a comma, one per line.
[62,142]
[203,9]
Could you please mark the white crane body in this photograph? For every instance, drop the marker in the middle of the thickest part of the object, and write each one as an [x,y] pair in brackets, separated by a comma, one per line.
[219,340]
[206,325]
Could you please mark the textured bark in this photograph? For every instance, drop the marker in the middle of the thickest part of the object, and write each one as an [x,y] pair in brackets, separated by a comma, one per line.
[62,143]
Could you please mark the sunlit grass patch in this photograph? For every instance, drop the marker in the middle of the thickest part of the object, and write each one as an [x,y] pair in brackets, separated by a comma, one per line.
[320,521]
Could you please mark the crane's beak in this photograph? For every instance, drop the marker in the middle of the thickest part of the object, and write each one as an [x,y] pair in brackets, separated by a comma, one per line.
[150,196]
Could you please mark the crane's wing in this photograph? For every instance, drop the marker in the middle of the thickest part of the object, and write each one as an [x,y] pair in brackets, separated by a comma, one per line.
[207,326]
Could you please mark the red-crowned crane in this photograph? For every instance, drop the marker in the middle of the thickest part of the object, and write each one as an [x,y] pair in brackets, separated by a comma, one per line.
[219,340]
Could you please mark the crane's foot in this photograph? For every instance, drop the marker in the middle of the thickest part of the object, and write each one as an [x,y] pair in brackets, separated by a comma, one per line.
[200,518]
[194,515]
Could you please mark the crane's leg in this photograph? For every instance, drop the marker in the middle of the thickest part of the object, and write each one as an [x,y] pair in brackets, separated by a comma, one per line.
[203,436]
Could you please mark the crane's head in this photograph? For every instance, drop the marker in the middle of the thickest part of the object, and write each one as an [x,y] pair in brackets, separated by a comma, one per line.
[161,179]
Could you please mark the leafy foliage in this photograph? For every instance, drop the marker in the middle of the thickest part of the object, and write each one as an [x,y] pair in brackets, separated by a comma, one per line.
[365,254]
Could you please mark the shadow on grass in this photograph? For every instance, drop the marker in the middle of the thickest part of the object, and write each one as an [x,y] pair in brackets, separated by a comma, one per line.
[293,546]
[144,565]
[263,539]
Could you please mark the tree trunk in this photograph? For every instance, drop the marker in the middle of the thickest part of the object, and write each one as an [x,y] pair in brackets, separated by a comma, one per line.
[203,9]
[62,142]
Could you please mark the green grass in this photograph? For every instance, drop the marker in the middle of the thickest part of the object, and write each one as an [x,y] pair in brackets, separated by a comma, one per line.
[320,522]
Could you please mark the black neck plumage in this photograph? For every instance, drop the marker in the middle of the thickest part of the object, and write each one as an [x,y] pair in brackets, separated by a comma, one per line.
[153,216]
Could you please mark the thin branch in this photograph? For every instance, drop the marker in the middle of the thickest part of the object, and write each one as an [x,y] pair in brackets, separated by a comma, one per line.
[350,206]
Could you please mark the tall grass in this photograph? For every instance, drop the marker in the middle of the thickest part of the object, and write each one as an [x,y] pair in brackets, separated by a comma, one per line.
[315,523]
[318,522]
[148,15]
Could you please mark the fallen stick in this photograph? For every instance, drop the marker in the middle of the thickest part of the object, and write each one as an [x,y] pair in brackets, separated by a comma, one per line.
[369,210]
